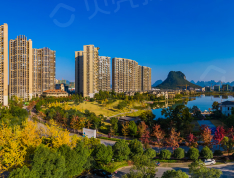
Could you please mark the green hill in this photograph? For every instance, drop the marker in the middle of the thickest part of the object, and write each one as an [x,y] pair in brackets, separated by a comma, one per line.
[174,79]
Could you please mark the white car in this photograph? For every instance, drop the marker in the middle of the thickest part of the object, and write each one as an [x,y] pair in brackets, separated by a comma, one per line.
[209,161]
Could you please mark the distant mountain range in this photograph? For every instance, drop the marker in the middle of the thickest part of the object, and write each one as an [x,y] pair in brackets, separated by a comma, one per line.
[211,83]
[200,83]
[158,82]
[176,80]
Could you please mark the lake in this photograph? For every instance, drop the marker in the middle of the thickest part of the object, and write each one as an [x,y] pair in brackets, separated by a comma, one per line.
[202,102]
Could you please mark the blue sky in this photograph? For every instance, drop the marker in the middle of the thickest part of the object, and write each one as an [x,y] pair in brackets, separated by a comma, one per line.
[192,36]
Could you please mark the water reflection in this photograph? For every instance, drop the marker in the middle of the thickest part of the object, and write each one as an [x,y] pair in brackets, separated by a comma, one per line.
[203,102]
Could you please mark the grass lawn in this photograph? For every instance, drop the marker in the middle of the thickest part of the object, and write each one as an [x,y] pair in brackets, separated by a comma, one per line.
[218,123]
[109,110]
[111,167]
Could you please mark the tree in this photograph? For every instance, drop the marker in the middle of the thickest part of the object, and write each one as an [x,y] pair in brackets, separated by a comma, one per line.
[219,135]
[206,153]
[141,128]
[89,124]
[180,115]
[207,137]
[165,154]
[48,163]
[191,141]
[159,134]
[150,153]
[74,160]
[22,172]
[143,132]
[75,124]
[174,139]
[121,150]
[135,147]
[143,168]
[103,153]
[132,128]
[125,129]
[215,106]
[227,143]
[174,174]
[147,117]
[197,169]
[114,124]
[193,153]
[179,153]
[122,105]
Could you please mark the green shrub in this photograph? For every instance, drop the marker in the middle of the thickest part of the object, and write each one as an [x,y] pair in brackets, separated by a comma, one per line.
[121,150]
[206,153]
[179,153]
[92,100]
[165,154]
[174,174]
[218,153]
[136,147]
[193,153]
[150,153]
[113,139]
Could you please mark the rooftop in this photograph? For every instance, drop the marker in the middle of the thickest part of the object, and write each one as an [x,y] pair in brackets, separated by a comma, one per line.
[227,103]
[54,91]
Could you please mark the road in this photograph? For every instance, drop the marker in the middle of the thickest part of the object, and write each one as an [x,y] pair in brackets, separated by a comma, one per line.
[228,170]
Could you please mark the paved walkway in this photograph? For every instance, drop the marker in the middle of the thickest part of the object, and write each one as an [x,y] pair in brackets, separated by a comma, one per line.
[227,169]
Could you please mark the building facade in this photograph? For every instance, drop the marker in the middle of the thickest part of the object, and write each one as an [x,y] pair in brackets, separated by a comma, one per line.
[128,76]
[146,78]
[125,75]
[226,107]
[86,71]
[20,67]
[43,70]
[103,73]
[216,88]
[4,64]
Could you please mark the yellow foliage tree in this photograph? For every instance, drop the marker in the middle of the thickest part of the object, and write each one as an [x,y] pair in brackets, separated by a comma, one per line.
[13,152]
[57,135]
[125,129]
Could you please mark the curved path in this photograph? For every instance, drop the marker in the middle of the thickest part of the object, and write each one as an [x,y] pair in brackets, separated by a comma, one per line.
[227,169]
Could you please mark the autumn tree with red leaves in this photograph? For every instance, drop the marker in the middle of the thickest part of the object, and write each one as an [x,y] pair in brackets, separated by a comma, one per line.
[174,139]
[219,135]
[141,128]
[159,134]
[31,105]
[191,141]
[144,132]
[207,137]
[75,123]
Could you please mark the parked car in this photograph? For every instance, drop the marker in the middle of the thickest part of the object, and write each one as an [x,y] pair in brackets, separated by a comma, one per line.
[102,173]
[209,161]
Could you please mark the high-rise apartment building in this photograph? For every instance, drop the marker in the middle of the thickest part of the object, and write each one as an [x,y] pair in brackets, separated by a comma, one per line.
[125,75]
[43,70]
[20,67]
[86,71]
[139,78]
[146,78]
[4,64]
[128,76]
[103,73]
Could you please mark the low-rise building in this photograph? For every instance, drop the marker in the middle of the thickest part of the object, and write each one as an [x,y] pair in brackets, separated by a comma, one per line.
[226,107]
[62,87]
[54,93]
[207,88]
